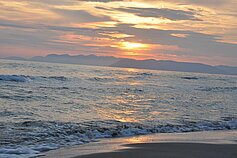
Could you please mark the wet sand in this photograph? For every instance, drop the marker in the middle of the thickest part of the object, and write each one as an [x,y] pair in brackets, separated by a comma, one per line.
[171,150]
[210,144]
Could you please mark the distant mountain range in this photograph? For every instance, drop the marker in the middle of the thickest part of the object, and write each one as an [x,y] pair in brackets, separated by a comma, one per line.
[78,59]
[167,65]
[151,64]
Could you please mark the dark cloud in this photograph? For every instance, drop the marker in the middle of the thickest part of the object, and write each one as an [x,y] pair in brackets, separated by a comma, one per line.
[80,16]
[52,2]
[5,23]
[194,43]
[102,8]
[204,2]
[160,13]
[49,35]
[101,1]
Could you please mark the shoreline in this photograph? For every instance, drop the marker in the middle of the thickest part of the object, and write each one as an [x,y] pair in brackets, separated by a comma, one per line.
[171,150]
[148,145]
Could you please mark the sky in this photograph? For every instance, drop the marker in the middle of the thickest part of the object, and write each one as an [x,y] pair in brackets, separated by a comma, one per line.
[202,31]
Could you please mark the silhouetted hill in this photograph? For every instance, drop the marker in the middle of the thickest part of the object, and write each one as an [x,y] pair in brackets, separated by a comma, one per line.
[228,69]
[152,64]
[14,58]
[168,66]
[78,59]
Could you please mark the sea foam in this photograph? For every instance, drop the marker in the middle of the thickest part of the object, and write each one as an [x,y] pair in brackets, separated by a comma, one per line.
[39,136]
[23,78]
[14,78]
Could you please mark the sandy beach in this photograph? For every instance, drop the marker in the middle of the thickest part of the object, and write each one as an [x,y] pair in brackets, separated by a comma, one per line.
[211,144]
[172,150]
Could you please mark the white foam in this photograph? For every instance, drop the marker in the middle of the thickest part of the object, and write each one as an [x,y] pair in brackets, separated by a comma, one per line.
[23,78]
[14,78]
[18,152]
[53,135]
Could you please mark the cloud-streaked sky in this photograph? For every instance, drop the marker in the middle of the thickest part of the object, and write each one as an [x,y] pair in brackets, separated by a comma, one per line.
[182,30]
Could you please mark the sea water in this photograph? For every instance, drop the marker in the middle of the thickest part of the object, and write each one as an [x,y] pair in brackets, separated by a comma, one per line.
[45,106]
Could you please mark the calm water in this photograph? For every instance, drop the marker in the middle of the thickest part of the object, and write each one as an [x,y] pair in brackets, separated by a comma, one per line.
[45,106]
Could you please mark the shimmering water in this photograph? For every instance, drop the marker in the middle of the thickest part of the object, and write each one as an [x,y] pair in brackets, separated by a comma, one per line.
[45,106]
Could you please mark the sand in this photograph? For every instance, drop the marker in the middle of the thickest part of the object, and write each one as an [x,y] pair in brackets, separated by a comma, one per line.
[172,150]
[211,144]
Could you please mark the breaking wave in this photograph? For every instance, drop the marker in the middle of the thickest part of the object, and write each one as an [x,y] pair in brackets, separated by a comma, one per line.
[23,78]
[189,78]
[40,136]
[14,78]
[218,89]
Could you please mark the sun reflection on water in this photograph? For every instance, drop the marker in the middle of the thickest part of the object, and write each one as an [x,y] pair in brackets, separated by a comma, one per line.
[135,140]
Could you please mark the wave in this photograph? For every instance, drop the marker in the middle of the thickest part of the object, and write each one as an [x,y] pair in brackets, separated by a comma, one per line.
[138,76]
[14,78]
[190,78]
[141,76]
[54,88]
[103,79]
[23,78]
[40,136]
[60,78]
[7,113]
[24,97]
[218,89]
[144,74]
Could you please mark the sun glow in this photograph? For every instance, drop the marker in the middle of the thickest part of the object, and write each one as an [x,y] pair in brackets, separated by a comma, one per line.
[133,46]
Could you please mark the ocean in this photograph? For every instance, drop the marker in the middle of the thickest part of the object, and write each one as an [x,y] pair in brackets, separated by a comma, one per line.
[46,106]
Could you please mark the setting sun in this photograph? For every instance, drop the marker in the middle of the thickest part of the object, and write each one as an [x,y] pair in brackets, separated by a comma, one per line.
[133,46]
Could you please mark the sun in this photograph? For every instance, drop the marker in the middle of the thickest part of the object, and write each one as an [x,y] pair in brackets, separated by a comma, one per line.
[133,49]
[133,46]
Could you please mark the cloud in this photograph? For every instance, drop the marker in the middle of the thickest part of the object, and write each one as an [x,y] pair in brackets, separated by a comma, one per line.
[160,13]
[101,1]
[103,8]
[190,28]
[5,23]
[194,43]
[80,16]
[205,2]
